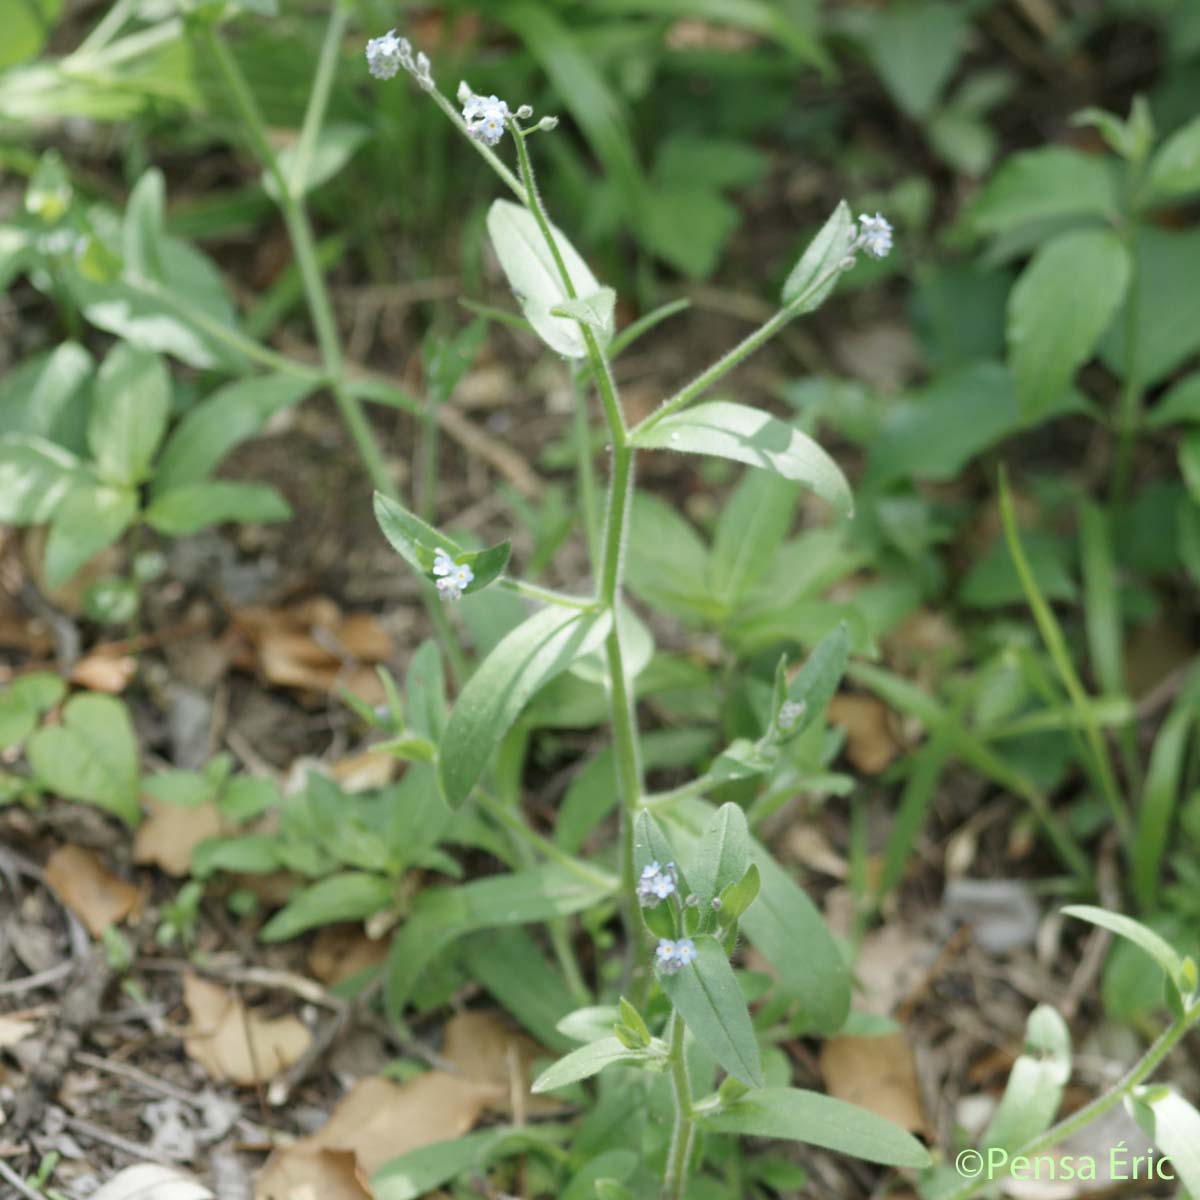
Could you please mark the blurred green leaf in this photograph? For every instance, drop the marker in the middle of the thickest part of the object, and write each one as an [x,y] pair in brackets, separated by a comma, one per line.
[195,506]
[131,404]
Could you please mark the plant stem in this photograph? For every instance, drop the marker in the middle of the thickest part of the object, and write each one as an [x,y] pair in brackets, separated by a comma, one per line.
[1089,1112]
[675,1178]
[621,701]
[288,197]
[585,472]
[1129,412]
[747,346]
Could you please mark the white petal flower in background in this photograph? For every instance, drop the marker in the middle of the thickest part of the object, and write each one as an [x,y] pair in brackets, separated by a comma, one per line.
[876,234]
[383,55]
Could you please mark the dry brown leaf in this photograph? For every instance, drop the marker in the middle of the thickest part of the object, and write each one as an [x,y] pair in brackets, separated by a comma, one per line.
[231,1041]
[488,1050]
[169,834]
[344,950]
[14,1030]
[871,745]
[878,1074]
[89,889]
[810,847]
[361,772]
[891,964]
[378,1120]
[313,647]
[293,1174]
[101,672]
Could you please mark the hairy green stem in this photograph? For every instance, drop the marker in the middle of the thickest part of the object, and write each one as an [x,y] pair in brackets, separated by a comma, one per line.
[621,700]
[747,346]
[585,474]
[1089,1112]
[675,1177]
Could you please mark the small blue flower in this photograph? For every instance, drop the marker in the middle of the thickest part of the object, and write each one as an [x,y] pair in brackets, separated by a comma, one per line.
[656,884]
[674,956]
[875,234]
[486,116]
[452,578]
[384,55]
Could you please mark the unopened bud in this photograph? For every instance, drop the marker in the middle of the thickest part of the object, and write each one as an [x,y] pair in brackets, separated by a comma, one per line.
[548,123]
[524,112]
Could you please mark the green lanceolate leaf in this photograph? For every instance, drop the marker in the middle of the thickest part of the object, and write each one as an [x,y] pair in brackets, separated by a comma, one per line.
[651,845]
[418,543]
[706,994]
[1161,794]
[530,656]
[35,476]
[819,1120]
[348,896]
[440,916]
[722,855]
[195,506]
[735,898]
[129,413]
[1035,1085]
[92,516]
[585,1062]
[1146,939]
[92,756]
[1046,184]
[748,435]
[813,686]
[785,925]
[1174,1126]
[214,426]
[595,311]
[534,277]
[143,226]
[816,274]
[1175,169]
[1057,310]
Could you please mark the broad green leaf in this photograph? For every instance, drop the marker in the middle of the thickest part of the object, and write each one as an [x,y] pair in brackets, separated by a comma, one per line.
[143,226]
[651,845]
[35,476]
[130,407]
[722,856]
[421,1171]
[335,145]
[1143,937]
[534,277]
[1167,333]
[595,310]
[1039,185]
[533,654]
[1160,796]
[184,788]
[706,994]
[348,896]
[819,1120]
[24,701]
[1174,1126]
[915,49]
[28,25]
[750,529]
[1058,309]
[195,506]
[439,916]
[751,436]
[1175,169]
[46,396]
[1180,404]
[688,224]
[92,756]
[221,421]
[585,1062]
[417,543]
[511,966]
[1035,1085]
[816,274]
[785,925]
[667,563]
[92,517]
[249,854]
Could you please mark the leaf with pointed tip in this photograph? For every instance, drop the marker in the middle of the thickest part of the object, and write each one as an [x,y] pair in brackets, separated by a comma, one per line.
[722,855]
[530,656]
[706,994]
[749,435]
[595,311]
[821,261]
